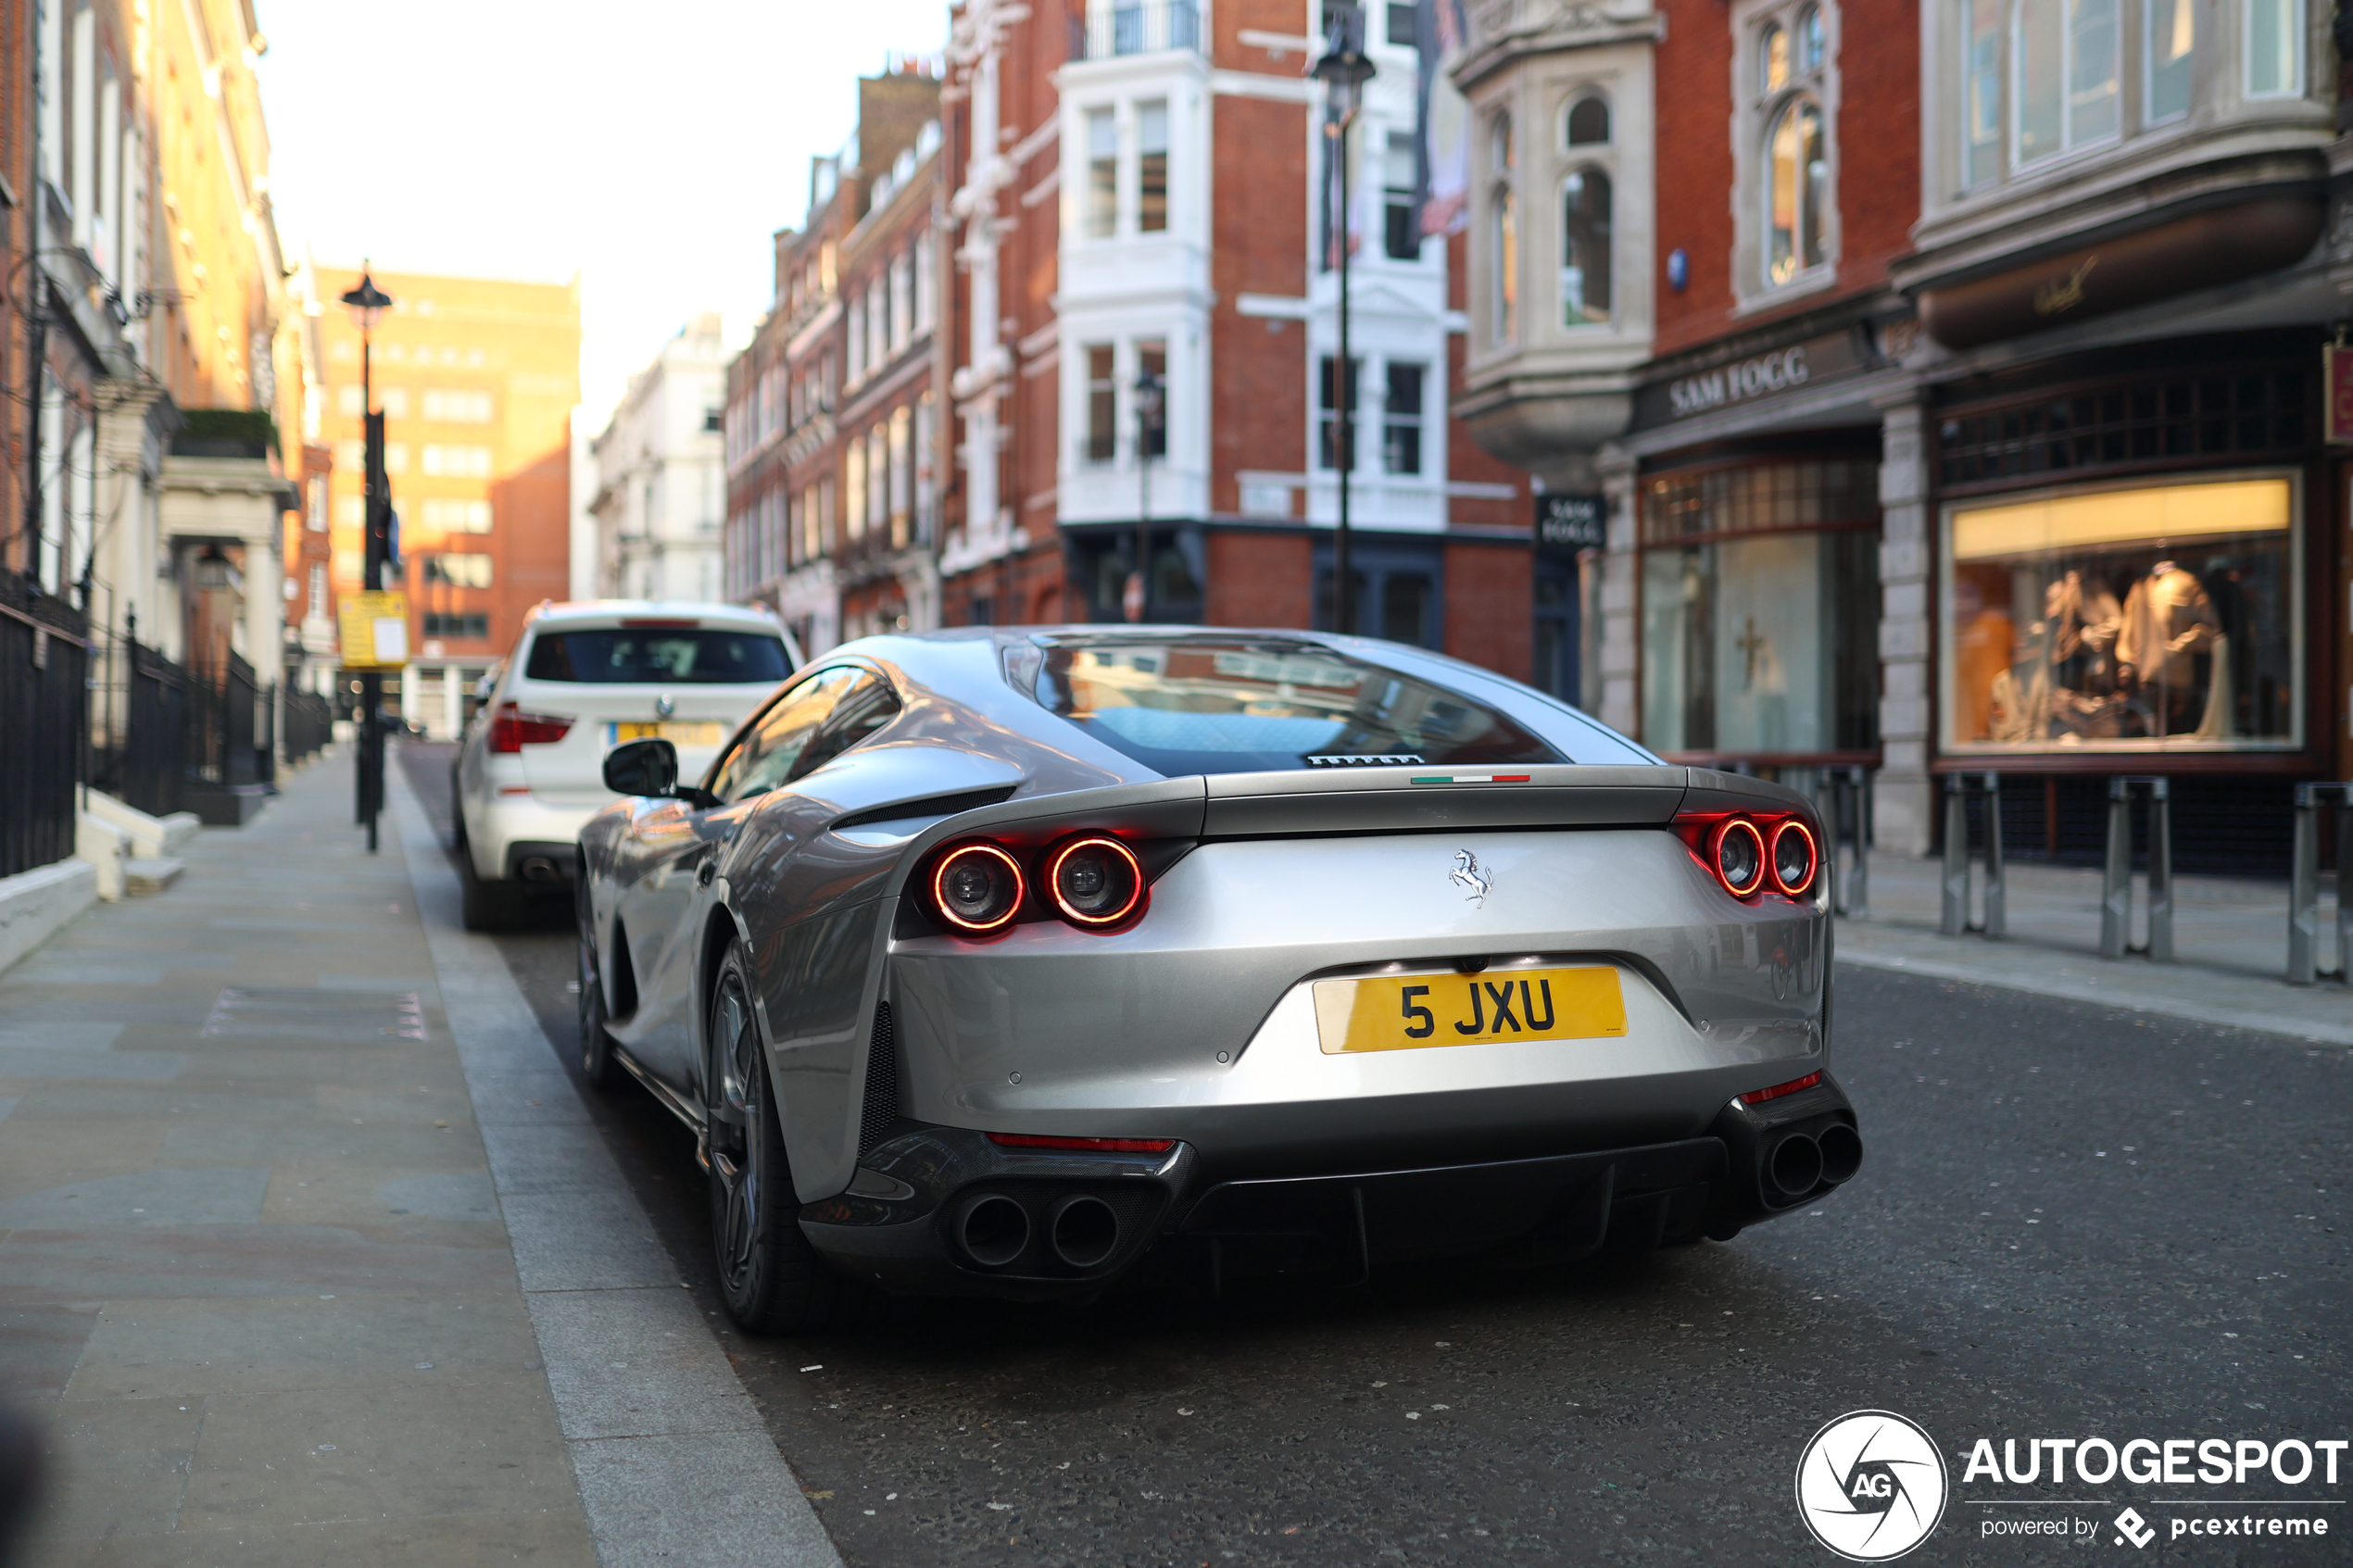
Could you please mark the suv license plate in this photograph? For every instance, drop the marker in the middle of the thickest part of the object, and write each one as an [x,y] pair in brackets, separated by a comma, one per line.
[1411,1012]
[680,733]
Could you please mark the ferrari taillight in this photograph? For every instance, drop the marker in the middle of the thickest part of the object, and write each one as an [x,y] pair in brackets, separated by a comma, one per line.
[1794,857]
[1736,854]
[512,729]
[1753,852]
[979,887]
[1094,880]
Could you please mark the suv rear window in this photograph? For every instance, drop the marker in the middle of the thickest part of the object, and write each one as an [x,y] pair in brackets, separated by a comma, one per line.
[1248,706]
[651,657]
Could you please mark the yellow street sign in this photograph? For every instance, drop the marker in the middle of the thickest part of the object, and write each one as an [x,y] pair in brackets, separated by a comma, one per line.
[375,630]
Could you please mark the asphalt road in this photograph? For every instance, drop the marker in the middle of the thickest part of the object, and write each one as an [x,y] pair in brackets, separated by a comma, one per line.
[2072,1223]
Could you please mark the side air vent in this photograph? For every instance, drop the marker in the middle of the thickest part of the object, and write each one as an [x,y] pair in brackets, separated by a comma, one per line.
[881,1108]
[1366,760]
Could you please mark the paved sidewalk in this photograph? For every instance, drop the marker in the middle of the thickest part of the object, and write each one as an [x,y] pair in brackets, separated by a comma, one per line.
[256,1277]
[2230,939]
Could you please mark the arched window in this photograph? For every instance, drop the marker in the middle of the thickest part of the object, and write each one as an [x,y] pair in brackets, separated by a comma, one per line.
[1796,188]
[1504,237]
[1772,59]
[1589,122]
[1809,39]
[1586,200]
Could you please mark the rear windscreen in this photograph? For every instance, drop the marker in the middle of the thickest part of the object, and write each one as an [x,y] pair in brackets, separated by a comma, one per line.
[615,657]
[1246,706]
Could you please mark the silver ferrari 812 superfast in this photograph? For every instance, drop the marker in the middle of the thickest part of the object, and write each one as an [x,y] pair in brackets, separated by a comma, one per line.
[1040,962]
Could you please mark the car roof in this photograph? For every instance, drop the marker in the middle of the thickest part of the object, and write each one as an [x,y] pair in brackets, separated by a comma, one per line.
[591,614]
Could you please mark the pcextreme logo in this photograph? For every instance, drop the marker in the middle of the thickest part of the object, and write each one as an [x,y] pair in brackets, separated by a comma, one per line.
[1871,1486]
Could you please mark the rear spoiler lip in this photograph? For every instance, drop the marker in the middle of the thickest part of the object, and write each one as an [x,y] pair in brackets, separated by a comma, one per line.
[1296,804]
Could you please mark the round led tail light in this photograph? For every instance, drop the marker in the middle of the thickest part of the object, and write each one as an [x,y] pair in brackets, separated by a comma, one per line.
[1794,857]
[977,888]
[1739,857]
[1094,881]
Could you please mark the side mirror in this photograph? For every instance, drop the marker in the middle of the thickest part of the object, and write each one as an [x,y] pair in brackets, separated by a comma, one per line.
[642,767]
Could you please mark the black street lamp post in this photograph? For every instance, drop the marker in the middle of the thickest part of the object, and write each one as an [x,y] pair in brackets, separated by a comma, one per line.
[367,304]
[1343,71]
[1150,422]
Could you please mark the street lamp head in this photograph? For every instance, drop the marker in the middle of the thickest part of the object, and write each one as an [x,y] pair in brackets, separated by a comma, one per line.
[1345,69]
[1148,396]
[366,302]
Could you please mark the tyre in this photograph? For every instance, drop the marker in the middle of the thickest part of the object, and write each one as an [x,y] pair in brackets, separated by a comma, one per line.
[597,1064]
[770,1278]
[488,906]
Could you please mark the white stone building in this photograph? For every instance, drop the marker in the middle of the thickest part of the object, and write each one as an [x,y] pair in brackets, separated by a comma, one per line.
[661,475]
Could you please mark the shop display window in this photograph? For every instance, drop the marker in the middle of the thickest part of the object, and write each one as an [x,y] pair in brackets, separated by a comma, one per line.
[2162,618]
[1760,609]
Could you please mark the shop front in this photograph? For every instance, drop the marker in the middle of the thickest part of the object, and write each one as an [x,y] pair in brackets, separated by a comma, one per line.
[1758,581]
[2126,585]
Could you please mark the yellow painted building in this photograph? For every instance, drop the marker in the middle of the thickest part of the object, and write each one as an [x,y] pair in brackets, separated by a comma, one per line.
[477,379]
[222,330]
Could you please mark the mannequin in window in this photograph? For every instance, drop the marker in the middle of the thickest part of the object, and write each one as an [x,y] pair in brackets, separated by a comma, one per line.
[2168,622]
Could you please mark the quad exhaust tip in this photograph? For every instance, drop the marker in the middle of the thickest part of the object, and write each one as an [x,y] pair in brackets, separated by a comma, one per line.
[1842,1148]
[1796,1166]
[993,1229]
[1084,1231]
[538,868]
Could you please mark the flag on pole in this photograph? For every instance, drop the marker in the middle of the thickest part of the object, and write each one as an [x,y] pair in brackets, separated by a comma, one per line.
[1442,120]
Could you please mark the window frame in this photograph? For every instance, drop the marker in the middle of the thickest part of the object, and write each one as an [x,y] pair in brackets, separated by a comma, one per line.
[2299,67]
[1809,81]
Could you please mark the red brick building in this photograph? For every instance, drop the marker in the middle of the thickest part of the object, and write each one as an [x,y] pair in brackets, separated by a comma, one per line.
[1685,316]
[1136,190]
[833,445]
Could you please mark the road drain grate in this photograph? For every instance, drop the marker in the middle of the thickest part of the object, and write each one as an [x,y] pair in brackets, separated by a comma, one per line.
[292,1012]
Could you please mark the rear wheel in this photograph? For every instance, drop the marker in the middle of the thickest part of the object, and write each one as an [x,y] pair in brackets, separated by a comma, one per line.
[487,906]
[770,1279]
[595,1046]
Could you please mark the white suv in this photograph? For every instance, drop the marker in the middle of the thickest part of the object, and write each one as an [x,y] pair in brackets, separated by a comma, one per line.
[584,678]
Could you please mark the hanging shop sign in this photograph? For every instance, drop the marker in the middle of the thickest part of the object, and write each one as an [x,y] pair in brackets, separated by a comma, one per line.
[2336,376]
[1566,524]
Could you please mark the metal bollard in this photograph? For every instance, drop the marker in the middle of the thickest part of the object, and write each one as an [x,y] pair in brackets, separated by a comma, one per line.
[2116,887]
[2304,886]
[1845,796]
[1957,790]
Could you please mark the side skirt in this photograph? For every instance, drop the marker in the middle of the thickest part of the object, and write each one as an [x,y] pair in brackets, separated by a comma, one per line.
[669,1099]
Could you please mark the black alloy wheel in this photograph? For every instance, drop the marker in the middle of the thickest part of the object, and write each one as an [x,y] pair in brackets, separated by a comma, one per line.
[770,1278]
[597,1064]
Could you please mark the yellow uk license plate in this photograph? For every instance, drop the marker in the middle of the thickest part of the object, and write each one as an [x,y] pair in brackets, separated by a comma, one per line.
[678,734]
[1407,1012]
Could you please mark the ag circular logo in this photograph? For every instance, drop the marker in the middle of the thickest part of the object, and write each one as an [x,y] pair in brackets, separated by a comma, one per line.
[1871,1486]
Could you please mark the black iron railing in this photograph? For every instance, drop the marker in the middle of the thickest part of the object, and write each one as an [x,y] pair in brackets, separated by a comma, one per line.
[311,723]
[44,660]
[143,745]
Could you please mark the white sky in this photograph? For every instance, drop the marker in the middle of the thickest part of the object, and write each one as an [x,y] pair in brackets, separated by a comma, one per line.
[652,149]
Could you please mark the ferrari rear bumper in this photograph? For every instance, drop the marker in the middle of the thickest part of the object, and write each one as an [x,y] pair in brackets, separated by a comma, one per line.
[945,1211]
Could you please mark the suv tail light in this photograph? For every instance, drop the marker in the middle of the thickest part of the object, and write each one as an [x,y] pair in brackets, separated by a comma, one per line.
[1751,853]
[512,729]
